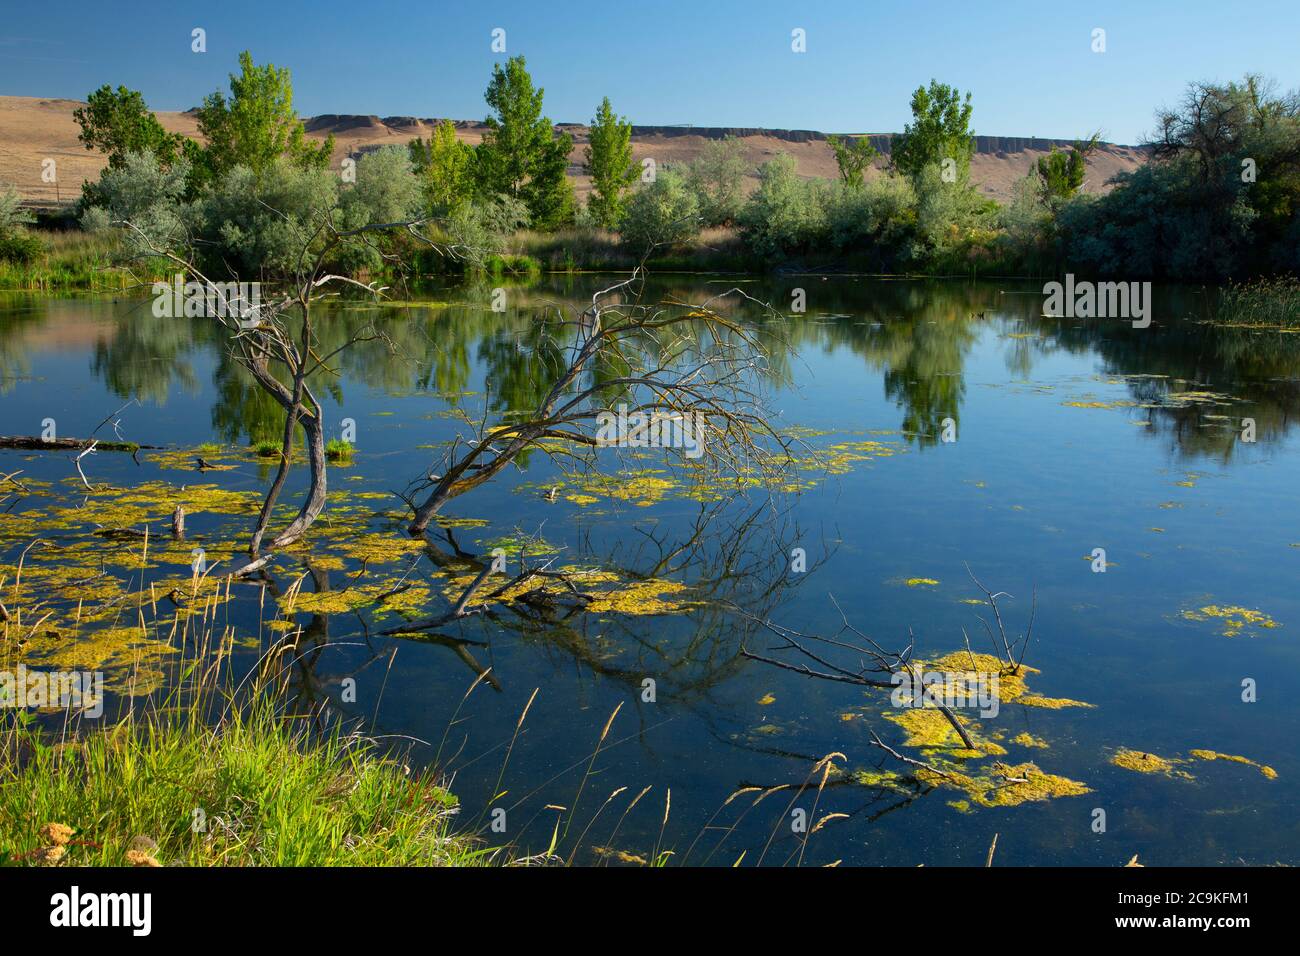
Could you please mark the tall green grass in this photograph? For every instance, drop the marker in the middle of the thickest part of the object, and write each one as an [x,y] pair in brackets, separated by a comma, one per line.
[209,772]
[254,789]
[1273,303]
[79,260]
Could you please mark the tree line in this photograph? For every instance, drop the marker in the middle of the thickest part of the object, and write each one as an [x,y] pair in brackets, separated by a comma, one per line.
[1218,200]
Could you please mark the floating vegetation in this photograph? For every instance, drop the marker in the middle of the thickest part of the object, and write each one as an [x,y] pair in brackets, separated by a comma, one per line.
[152,501]
[203,458]
[1095,404]
[1050,703]
[386,599]
[921,582]
[130,659]
[1267,771]
[929,730]
[593,589]
[839,458]
[382,548]
[512,545]
[1005,785]
[1141,762]
[651,596]
[1029,740]
[621,856]
[1011,687]
[1234,619]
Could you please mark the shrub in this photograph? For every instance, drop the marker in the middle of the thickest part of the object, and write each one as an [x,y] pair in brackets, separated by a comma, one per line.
[264,226]
[664,213]
[340,451]
[386,190]
[879,216]
[717,179]
[146,194]
[20,246]
[12,213]
[16,244]
[1268,303]
[786,214]
[949,218]
[479,230]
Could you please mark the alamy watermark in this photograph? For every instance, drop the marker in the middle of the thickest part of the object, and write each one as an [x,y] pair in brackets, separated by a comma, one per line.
[77,690]
[945,689]
[654,429]
[208,300]
[1099,300]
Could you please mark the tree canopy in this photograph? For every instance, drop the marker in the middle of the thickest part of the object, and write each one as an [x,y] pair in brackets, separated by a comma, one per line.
[520,155]
[257,124]
[609,163]
[117,122]
[940,130]
[852,158]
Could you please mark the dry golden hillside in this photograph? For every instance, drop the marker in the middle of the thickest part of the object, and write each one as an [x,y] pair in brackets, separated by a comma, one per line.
[33,130]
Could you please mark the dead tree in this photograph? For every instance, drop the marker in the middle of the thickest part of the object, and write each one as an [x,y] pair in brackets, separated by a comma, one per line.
[278,336]
[683,364]
[880,668]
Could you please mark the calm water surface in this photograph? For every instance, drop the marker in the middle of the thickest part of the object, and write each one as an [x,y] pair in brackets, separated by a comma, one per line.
[1070,437]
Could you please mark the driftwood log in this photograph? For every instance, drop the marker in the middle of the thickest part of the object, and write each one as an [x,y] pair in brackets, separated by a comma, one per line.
[31,443]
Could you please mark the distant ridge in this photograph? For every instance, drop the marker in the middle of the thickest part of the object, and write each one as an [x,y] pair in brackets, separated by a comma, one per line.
[33,129]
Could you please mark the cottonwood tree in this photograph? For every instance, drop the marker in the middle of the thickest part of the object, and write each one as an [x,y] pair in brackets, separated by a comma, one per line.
[520,155]
[257,124]
[609,163]
[853,158]
[443,165]
[117,122]
[1061,174]
[940,129]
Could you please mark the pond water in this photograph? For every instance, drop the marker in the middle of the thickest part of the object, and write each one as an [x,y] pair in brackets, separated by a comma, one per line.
[1071,435]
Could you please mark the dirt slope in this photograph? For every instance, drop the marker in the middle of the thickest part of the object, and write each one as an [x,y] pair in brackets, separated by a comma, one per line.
[33,130]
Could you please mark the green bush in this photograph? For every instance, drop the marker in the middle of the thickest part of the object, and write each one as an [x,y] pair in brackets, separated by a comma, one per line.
[146,194]
[12,213]
[661,213]
[786,214]
[878,217]
[717,179]
[386,190]
[19,246]
[267,225]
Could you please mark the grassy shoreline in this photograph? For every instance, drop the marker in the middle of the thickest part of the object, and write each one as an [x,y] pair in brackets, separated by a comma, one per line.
[75,261]
[254,788]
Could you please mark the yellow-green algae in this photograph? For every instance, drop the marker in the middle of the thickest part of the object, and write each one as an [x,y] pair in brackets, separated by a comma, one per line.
[1011,684]
[1267,771]
[1142,762]
[1235,619]
[1004,785]
[608,591]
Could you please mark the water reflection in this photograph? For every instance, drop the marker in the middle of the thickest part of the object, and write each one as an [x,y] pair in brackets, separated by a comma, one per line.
[912,353]
[917,335]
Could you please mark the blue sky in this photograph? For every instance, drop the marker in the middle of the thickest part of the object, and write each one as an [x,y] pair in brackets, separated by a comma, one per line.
[709,62]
